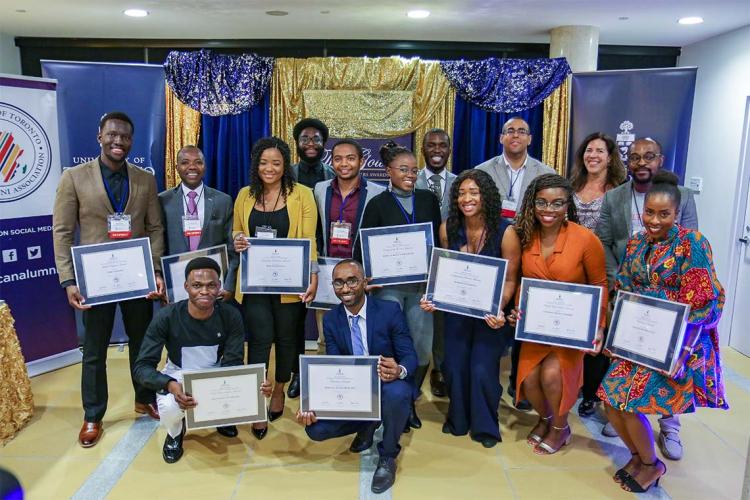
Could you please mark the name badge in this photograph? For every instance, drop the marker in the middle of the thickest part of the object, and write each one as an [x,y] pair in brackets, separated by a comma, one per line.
[191,225]
[508,209]
[265,232]
[341,233]
[118,226]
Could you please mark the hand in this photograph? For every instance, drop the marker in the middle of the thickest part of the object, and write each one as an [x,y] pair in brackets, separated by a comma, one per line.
[240,243]
[226,295]
[185,401]
[312,289]
[495,322]
[388,369]
[75,299]
[598,343]
[426,305]
[306,417]
[159,293]
[369,288]
[266,388]
[608,353]
[514,317]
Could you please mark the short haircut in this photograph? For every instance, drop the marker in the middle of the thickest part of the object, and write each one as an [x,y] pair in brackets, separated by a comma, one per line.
[436,131]
[310,122]
[645,139]
[515,118]
[202,263]
[351,142]
[116,115]
[190,146]
[350,262]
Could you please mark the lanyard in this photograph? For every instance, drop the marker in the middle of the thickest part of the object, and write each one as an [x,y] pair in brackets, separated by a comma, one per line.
[343,204]
[123,195]
[263,202]
[197,200]
[637,210]
[413,218]
[479,242]
[513,182]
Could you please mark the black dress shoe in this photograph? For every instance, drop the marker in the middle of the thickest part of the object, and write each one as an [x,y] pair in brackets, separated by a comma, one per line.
[293,390]
[363,440]
[587,407]
[437,384]
[229,431]
[413,420]
[385,475]
[486,441]
[259,433]
[172,450]
[275,415]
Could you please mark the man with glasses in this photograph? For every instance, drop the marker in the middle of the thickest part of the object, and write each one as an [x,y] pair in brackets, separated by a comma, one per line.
[310,136]
[620,218]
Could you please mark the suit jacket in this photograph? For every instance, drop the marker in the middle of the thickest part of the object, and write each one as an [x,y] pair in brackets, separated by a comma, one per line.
[387,333]
[82,203]
[303,219]
[216,230]
[324,194]
[422,183]
[497,168]
[614,228]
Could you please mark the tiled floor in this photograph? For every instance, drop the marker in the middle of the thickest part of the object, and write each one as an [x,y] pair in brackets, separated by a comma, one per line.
[50,464]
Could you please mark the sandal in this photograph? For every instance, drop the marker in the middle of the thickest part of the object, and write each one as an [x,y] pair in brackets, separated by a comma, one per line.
[633,486]
[622,473]
[545,449]
[534,439]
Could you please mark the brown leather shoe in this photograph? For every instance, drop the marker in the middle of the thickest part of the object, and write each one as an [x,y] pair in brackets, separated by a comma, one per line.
[147,408]
[90,434]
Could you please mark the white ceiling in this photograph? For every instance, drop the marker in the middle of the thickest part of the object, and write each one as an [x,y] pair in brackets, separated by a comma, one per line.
[650,22]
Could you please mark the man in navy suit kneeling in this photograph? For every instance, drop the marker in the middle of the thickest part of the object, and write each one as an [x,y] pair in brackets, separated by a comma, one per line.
[366,326]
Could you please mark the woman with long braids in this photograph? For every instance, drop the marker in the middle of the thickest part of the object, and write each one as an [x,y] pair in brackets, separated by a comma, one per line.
[555,248]
[473,347]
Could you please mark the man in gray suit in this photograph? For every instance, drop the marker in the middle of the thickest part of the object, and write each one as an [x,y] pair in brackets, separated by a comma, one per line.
[197,216]
[620,218]
[436,149]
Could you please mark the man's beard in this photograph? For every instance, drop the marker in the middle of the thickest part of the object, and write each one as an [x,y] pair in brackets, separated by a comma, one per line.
[304,157]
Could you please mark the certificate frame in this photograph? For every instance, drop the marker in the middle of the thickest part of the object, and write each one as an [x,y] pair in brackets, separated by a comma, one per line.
[496,294]
[306,246]
[79,252]
[677,334]
[593,315]
[364,238]
[172,283]
[307,361]
[325,280]
[191,376]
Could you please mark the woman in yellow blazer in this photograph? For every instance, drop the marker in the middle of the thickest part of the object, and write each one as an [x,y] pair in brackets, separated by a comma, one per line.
[274,205]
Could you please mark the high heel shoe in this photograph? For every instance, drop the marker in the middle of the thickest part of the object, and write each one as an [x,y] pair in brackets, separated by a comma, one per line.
[259,433]
[621,474]
[534,439]
[545,449]
[275,415]
[633,486]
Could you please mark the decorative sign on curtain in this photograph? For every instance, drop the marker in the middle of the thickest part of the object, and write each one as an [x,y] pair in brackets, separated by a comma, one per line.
[373,169]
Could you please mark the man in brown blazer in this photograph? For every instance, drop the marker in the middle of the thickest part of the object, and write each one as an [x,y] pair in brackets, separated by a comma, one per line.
[88,197]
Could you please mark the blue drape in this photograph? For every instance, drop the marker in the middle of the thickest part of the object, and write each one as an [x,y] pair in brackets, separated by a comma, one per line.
[227,141]
[476,133]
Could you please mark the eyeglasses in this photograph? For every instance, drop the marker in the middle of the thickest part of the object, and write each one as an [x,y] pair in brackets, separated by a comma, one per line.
[405,171]
[305,140]
[350,282]
[552,205]
[648,157]
[513,131]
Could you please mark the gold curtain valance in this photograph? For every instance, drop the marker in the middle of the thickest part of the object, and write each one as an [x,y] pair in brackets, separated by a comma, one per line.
[555,128]
[183,127]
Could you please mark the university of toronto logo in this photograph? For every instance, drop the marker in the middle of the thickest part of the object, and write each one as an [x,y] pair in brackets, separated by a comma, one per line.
[624,139]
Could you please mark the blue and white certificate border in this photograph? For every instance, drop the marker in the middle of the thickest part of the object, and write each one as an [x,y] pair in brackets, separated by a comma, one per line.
[276,242]
[171,282]
[79,251]
[304,383]
[497,292]
[324,261]
[364,235]
[596,303]
[676,336]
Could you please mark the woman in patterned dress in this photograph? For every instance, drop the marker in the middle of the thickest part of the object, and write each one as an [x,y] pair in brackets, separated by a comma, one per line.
[673,263]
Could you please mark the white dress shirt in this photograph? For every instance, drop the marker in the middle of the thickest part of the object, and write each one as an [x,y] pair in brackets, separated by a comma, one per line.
[199,200]
[515,179]
[362,322]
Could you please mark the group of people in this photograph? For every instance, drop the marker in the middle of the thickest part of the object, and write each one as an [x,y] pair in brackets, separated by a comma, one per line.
[638,235]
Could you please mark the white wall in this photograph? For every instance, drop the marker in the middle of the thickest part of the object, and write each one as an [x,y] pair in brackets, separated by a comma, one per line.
[722,89]
[10,56]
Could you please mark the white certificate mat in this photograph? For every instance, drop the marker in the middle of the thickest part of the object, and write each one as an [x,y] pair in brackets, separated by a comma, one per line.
[645,329]
[276,266]
[340,388]
[325,298]
[114,272]
[177,271]
[400,254]
[558,313]
[466,284]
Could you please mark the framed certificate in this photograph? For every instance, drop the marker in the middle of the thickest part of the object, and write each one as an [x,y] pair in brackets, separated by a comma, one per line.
[225,396]
[556,313]
[465,283]
[114,271]
[394,255]
[325,298]
[173,267]
[647,330]
[275,266]
[340,387]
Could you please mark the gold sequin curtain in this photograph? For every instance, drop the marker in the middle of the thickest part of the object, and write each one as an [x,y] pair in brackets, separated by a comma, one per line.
[433,100]
[183,127]
[16,400]
[555,128]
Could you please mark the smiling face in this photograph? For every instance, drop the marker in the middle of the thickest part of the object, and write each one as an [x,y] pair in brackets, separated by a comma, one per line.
[469,198]
[115,139]
[644,160]
[271,166]
[550,206]
[403,172]
[191,167]
[346,161]
[596,157]
[310,144]
[436,149]
[515,137]
[351,296]
[659,215]
[202,287]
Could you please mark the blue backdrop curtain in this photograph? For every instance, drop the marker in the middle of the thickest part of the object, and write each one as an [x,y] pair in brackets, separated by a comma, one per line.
[227,141]
[476,133]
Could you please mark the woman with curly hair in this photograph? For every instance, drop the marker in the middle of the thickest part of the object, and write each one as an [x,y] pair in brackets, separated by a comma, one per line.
[473,347]
[274,206]
[555,248]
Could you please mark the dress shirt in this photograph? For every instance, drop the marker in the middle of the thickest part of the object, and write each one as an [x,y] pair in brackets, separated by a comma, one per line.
[515,179]
[362,322]
[199,199]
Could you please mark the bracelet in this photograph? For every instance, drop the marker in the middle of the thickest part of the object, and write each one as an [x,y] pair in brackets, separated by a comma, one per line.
[688,349]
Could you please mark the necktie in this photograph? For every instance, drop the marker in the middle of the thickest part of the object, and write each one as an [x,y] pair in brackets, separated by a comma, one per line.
[193,210]
[358,348]
[435,187]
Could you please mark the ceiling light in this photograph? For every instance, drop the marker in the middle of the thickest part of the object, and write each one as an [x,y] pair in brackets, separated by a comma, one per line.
[277,13]
[623,18]
[418,14]
[136,13]
[690,20]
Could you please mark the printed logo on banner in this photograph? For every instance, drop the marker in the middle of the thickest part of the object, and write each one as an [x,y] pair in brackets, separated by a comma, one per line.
[25,154]
[625,139]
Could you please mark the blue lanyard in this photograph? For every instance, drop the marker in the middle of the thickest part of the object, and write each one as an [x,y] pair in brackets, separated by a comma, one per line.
[343,205]
[413,208]
[123,196]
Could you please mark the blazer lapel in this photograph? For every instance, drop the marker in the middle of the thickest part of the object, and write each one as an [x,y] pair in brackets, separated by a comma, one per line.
[96,175]
[362,202]
[371,315]
[326,216]
[133,187]
[502,174]
[293,206]
[345,331]
[208,209]
[625,209]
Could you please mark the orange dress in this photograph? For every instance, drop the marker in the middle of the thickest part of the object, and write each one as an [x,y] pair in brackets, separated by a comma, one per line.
[578,257]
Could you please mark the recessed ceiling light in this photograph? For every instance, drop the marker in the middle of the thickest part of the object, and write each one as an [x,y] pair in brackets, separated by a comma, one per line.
[325,11]
[21,11]
[418,14]
[623,18]
[277,13]
[136,13]
[690,20]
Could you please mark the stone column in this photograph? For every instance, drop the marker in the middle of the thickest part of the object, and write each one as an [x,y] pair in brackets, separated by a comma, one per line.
[578,44]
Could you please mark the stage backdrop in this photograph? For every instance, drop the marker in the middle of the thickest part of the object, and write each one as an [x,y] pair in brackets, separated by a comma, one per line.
[29,172]
[655,103]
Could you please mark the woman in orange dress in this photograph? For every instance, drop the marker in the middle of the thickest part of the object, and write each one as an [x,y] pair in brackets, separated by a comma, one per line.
[555,248]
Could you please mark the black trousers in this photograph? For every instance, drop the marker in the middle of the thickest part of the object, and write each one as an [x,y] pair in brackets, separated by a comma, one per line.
[98,322]
[301,329]
[271,322]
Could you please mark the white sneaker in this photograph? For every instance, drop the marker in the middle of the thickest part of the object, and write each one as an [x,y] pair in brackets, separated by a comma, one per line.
[670,445]
[609,431]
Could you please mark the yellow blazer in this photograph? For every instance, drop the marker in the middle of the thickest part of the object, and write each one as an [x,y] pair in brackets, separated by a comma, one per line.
[303,222]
